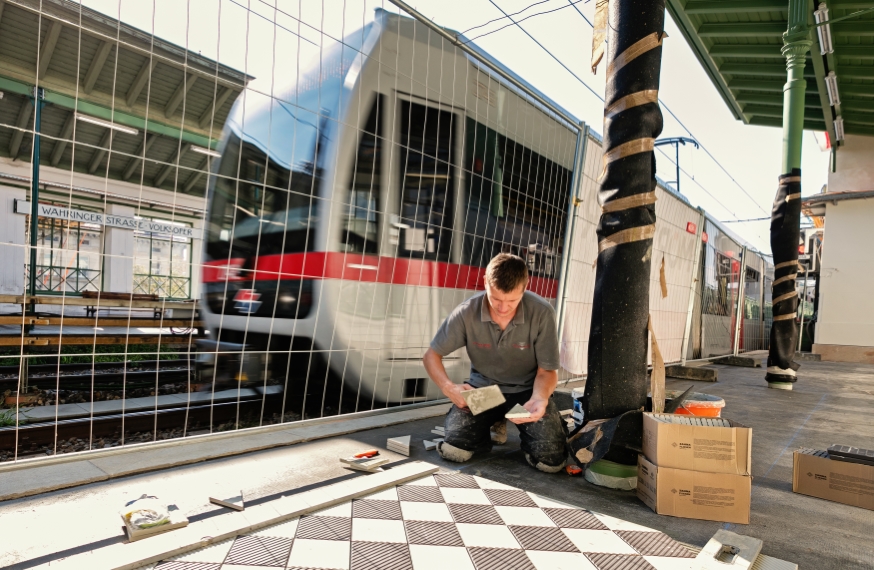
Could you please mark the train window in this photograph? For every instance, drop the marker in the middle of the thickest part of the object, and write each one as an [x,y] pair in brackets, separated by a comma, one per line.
[516,202]
[360,217]
[427,178]
[257,207]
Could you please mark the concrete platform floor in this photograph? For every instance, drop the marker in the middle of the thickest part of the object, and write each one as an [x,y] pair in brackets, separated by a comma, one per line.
[831,403]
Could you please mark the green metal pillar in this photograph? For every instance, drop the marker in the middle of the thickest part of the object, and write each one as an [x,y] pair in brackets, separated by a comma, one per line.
[796,44]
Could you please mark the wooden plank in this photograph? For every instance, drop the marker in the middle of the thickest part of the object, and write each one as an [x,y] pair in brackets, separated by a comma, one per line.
[112,322]
[101,303]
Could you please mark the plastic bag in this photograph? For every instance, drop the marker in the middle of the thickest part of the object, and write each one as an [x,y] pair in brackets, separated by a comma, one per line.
[146,512]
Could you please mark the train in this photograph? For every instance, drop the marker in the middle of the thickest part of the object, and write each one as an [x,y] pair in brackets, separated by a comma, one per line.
[354,207]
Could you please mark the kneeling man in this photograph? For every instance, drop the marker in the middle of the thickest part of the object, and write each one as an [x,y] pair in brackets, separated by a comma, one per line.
[510,336]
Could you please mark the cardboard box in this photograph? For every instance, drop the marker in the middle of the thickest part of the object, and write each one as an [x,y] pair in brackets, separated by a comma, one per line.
[713,445]
[688,494]
[814,474]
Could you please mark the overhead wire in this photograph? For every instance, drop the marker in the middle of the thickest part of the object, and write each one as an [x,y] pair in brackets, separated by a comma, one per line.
[493,20]
[514,22]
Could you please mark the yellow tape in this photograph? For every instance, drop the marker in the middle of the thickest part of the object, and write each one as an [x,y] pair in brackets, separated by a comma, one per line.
[787,179]
[639,233]
[784,297]
[627,149]
[790,277]
[657,379]
[785,264]
[630,202]
[663,281]
[795,196]
[599,33]
[784,317]
[633,100]
[635,50]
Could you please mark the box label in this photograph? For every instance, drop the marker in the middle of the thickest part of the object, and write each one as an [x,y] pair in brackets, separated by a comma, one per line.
[714,497]
[850,484]
[714,449]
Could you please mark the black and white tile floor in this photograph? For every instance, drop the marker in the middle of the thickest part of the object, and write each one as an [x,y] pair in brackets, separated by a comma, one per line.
[446,521]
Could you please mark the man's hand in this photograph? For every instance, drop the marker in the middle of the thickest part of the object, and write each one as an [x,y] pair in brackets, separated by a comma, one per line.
[536,406]
[453,392]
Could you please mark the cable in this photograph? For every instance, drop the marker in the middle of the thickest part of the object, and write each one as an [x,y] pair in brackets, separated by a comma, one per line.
[504,17]
[517,23]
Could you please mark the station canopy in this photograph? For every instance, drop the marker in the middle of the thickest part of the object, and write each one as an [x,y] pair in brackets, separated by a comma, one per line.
[738,43]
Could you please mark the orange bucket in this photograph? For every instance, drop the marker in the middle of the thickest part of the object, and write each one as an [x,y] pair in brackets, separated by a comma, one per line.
[698,404]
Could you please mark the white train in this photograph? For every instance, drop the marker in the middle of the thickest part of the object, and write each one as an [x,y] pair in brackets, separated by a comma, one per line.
[351,211]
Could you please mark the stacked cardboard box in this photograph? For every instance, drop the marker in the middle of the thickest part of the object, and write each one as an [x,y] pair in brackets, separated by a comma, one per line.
[835,477]
[697,468]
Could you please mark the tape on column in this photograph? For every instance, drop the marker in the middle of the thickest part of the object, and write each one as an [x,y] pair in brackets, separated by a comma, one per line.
[784,297]
[627,149]
[662,281]
[790,277]
[635,201]
[633,100]
[639,233]
[789,263]
[635,50]
[657,379]
[785,317]
[599,33]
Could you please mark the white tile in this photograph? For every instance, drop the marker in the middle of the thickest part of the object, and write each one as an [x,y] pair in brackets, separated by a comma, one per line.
[247,567]
[559,560]
[465,496]
[598,541]
[437,512]
[212,553]
[320,554]
[424,481]
[283,530]
[618,524]
[488,535]
[665,563]
[524,516]
[378,530]
[489,484]
[341,510]
[545,503]
[390,494]
[440,557]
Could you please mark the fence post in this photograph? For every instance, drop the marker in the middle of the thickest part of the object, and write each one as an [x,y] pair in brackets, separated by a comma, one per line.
[696,265]
[570,226]
[741,292]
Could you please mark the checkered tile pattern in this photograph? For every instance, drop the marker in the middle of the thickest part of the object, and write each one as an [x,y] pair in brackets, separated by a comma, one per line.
[446,521]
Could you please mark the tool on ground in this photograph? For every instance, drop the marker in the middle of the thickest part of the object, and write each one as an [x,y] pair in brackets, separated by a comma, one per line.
[368,453]
[148,516]
[729,551]
[369,464]
[235,502]
[573,470]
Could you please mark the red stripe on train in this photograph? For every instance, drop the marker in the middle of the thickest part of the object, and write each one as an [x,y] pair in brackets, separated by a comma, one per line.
[359,267]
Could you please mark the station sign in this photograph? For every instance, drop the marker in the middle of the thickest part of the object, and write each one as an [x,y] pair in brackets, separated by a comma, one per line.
[109,220]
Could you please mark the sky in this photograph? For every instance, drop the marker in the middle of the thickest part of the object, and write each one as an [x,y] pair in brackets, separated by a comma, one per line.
[733,176]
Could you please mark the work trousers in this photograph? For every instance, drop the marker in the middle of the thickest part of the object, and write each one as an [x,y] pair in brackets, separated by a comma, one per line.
[544,440]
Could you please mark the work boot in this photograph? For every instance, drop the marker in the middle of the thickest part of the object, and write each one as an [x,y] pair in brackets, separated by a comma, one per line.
[499,432]
[541,466]
[452,453]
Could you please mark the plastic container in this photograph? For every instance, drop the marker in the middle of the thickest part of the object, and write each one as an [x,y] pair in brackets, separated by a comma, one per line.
[697,404]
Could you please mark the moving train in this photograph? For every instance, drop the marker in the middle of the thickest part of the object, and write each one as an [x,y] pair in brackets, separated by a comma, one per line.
[351,211]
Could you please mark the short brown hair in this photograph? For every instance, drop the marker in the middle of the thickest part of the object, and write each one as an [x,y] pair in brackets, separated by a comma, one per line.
[506,272]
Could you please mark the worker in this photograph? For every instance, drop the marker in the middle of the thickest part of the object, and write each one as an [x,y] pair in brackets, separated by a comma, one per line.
[510,337]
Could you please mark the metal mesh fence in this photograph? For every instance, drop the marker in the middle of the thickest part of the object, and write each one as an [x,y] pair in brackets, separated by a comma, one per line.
[253,213]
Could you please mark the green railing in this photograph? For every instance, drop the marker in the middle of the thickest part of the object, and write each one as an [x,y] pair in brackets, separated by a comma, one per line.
[164,286]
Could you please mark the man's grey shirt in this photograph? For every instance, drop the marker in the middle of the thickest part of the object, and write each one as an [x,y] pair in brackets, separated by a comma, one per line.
[507,358]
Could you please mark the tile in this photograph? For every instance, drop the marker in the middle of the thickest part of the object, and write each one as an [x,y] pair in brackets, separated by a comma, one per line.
[475,514]
[458,480]
[543,538]
[259,550]
[654,544]
[488,484]
[437,512]
[378,530]
[543,560]
[212,553]
[545,503]
[319,554]
[380,556]
[175,565]
[432,533]
[509,498]
[421,494]
[390,494]
[604,541]
[618,524]
[619,562]
[423,482]
[524,516]
[341,510]
[500,559]
[574,518]
[248,567]
[324,528]
[665,563]
[284,530]
[467,496]
[487,535]
[440,557]
[369,509]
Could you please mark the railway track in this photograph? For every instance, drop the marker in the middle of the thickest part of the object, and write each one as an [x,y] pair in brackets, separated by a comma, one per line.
[99,375]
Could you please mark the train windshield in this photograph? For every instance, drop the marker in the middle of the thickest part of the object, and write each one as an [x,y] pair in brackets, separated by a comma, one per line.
[275,151]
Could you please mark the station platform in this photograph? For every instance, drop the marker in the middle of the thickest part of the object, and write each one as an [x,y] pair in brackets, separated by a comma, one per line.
[830,404]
